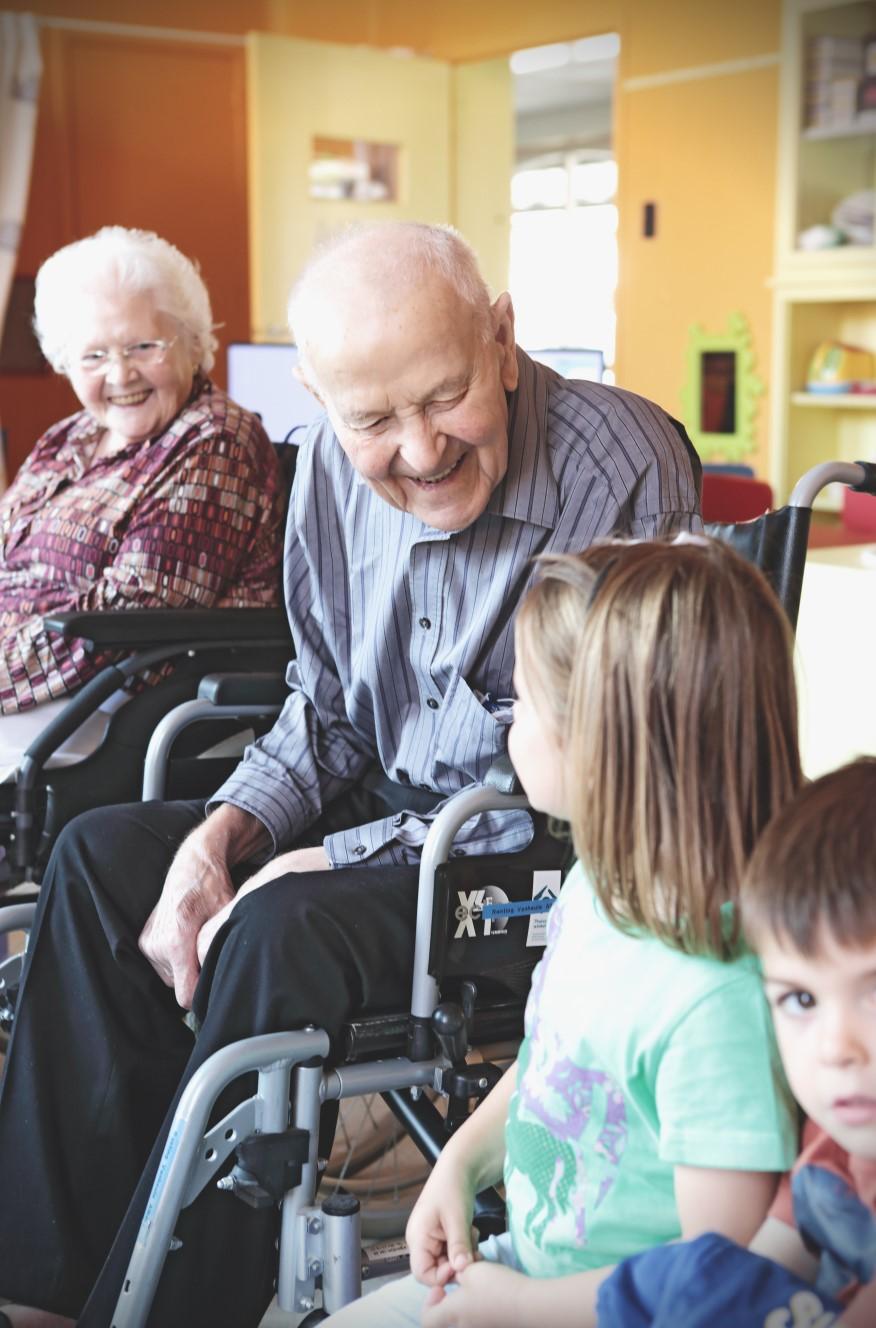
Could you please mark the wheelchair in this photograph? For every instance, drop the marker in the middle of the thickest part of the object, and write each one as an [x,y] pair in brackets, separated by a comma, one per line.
[271,1136]
[180,646]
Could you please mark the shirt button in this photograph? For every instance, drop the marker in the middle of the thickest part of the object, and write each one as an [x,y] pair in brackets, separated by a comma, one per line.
[425,623]
[359,850]
[432,703]
[427,787]
[457,852]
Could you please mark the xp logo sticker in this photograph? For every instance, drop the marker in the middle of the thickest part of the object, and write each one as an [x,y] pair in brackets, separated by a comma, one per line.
[471,909]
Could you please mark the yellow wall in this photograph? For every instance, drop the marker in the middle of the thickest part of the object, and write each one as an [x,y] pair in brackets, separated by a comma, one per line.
[301,89]
[703,150]
[705,153]
[482,159]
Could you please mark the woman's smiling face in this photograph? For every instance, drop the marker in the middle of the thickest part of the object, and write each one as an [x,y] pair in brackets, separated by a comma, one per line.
[133,402]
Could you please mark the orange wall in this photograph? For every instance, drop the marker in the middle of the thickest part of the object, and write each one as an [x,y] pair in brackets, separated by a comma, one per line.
[136,133]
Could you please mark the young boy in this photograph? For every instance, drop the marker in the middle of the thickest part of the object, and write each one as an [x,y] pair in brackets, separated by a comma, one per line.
[809,909]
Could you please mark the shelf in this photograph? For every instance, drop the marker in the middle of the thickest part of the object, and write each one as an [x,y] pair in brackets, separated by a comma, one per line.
[837,401]
[824,133]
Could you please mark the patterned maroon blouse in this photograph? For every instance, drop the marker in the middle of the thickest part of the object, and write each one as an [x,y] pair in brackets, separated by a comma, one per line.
[191,518]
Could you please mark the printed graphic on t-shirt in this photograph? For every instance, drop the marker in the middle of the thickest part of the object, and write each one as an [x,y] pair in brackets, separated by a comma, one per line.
[837,1227]
[567,1131]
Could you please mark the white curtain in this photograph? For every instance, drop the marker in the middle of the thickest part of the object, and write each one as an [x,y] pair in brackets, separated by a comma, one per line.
[20,70]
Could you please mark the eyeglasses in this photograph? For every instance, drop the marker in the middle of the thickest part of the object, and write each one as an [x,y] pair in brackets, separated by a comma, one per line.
[144,354]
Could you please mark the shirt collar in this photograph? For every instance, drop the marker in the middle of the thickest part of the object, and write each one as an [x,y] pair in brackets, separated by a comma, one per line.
[529,485]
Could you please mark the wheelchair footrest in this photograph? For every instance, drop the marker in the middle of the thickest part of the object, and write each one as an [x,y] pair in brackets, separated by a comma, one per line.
[267,1166]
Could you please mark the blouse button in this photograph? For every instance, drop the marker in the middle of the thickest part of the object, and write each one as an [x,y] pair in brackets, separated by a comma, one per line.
[432,703]
[425,623]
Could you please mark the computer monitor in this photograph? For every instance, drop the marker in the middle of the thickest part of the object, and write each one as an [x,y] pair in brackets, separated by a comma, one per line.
[572,361]
[260,378]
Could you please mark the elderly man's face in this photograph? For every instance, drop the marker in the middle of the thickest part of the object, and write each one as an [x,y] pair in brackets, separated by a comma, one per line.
[417,400]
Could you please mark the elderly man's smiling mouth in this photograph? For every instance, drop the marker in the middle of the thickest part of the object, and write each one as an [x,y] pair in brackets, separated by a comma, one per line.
[441,478]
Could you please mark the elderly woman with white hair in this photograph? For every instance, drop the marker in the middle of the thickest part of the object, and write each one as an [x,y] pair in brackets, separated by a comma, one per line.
[160,491]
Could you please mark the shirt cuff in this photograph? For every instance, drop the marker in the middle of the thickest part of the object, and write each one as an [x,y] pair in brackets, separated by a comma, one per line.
[398,840]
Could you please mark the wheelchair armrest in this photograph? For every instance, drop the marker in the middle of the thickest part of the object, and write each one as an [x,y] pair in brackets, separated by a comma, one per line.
[135,629]
[468,802]
[233,689]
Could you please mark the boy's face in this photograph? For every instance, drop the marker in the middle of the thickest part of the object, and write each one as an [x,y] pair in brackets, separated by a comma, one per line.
[824,1009]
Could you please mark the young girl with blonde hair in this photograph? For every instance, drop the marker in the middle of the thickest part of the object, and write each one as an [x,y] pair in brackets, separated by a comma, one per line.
[656,713]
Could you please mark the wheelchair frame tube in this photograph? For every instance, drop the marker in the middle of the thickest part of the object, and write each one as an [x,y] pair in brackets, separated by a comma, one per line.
[171,725]
[436,849]
[807,488]
[269,1052]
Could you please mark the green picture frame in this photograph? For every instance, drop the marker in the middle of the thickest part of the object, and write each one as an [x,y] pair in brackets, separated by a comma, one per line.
[721,391]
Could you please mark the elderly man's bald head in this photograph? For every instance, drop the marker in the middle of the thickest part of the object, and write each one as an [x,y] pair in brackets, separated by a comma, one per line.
[398,339]
[381,265]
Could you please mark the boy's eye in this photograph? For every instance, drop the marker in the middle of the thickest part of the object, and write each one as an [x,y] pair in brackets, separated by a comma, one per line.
[796,1002]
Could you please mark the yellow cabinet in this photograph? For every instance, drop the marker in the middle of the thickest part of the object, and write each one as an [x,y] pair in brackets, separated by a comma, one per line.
[827,154]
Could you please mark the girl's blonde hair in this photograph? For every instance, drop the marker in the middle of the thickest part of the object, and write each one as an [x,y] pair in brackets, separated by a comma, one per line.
[666,670]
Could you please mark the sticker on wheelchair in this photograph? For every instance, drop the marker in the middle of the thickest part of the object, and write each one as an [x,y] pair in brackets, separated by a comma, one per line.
[545,889]
[164,1165]
[495,908]
[490,917]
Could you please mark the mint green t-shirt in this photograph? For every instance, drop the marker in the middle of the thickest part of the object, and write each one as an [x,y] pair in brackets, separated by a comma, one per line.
[637,1058]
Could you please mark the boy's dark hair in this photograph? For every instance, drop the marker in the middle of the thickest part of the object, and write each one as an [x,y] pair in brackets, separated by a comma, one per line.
[814,868]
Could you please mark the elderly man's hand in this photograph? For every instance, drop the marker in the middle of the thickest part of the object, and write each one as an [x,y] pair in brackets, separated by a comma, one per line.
[197,887]
[298,860]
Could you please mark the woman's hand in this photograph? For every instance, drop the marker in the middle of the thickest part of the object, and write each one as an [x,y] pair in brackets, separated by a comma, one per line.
[298,860]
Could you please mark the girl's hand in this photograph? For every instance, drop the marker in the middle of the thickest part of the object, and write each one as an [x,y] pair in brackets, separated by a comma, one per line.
[487,1295]
[439,1231]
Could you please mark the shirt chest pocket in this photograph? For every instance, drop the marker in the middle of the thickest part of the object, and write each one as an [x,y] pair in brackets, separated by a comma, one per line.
[471,734]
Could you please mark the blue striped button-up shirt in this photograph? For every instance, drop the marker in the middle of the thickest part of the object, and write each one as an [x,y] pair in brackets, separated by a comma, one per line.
[404,634]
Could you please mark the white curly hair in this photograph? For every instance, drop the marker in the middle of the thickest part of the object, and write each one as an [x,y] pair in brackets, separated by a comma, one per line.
[135,260]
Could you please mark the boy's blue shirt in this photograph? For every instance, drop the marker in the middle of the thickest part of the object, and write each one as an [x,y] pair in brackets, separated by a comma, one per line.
[710,1282]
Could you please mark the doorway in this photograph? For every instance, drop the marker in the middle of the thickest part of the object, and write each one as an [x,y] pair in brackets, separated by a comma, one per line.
[563,269]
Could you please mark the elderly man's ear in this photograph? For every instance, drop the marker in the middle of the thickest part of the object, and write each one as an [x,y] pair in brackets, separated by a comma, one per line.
[301,375]
[502,313]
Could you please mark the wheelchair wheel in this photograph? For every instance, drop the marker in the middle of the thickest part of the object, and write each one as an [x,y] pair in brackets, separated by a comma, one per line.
[374,1159]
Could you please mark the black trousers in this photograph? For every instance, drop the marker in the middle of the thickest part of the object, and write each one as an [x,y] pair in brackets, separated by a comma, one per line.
[100,1054]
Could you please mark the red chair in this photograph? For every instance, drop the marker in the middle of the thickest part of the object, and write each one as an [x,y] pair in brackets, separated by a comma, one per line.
[729,498]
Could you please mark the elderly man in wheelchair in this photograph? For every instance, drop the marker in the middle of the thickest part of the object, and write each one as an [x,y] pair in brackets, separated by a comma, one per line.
[447,460]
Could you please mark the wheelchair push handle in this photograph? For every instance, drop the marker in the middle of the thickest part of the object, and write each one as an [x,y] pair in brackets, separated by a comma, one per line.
[858,475]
